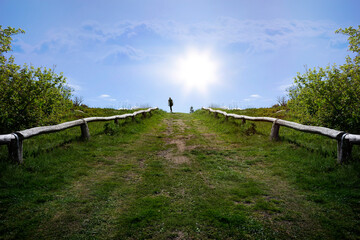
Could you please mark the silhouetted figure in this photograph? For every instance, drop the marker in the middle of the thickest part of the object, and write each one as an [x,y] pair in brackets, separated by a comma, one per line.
[171,103]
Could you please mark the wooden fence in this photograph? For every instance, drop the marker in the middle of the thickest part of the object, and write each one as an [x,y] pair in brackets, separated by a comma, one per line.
[345,140]
[15,140]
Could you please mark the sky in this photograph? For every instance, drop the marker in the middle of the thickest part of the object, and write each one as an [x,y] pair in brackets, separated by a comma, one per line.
[238,54]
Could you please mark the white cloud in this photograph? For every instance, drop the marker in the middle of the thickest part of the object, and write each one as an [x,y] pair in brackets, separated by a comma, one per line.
[285,84]
[284,87]
[252,97]
[257,35]
[75,87]
[107,97]
[120,54]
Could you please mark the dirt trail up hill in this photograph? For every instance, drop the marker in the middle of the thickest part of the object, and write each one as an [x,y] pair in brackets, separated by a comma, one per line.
[179,179]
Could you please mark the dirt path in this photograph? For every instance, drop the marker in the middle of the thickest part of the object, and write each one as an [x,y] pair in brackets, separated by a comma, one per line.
[186,135]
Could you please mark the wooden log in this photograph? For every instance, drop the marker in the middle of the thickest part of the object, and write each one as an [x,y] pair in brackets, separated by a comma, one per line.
[116,121]
[6,138]
[103,119]
[15,148]
[221,112]
[274,135]
[243,121]
[331,133]
[353,138]
[85,133]
[28,133]
[143,114]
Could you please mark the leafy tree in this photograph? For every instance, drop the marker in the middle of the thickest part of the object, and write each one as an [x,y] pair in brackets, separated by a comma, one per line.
[281,101]
[331,96]
[77,101]
[29,96]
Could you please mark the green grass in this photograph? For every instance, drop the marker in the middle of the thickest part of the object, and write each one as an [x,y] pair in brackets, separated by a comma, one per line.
[311,142]
[330,190]
[178,176]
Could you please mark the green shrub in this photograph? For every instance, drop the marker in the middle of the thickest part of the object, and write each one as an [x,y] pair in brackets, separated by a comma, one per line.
[330,96]
[250,129]
[111,128]
[29,96]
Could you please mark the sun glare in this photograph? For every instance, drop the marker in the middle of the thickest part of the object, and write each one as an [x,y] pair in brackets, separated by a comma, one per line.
[196,71]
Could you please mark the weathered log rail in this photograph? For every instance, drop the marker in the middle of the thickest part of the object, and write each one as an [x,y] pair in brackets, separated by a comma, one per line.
[345,140]
[15,140]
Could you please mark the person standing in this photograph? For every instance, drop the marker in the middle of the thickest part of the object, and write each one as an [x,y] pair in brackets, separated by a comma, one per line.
[171,103]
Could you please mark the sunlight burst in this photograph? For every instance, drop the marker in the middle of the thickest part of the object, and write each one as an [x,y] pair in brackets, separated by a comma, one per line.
[196,71]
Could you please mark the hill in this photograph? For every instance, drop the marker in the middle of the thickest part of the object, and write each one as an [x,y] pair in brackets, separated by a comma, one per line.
[178,176]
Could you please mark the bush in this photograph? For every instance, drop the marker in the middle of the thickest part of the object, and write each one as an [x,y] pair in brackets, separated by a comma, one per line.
[331,96]
[29,96]
[111,128]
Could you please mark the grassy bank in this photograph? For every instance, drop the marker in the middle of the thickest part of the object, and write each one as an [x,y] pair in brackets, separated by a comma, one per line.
[177,176]
[307,162]
[32,192]
[311,142]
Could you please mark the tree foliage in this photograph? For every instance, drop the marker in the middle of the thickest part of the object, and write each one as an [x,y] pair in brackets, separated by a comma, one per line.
[331,96]
[29,96]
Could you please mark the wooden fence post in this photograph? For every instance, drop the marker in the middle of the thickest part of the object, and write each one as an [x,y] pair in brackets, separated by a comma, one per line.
[143,114]
[274,135]
[215,114]
[243,121]
[15,148]
[116,121]
[344,149]
[133,118]
[85,133]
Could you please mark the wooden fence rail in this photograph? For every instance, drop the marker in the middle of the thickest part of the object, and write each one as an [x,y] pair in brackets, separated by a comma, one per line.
[15,140]
[345,140]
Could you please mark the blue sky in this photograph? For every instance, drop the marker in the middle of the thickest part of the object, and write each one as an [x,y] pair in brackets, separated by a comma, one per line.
[134,53]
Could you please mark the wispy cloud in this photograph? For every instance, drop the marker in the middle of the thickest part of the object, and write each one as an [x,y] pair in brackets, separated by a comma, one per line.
[252,97]
[284,85]
[256,35]
[76,87]
[122,54]
[107,97]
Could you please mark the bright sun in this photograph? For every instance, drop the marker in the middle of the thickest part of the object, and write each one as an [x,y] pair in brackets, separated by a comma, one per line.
[196,71]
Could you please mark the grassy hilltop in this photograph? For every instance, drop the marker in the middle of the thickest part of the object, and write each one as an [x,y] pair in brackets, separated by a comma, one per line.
[179,176]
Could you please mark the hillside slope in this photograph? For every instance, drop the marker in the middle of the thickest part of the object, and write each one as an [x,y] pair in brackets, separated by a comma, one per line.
[179,176]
